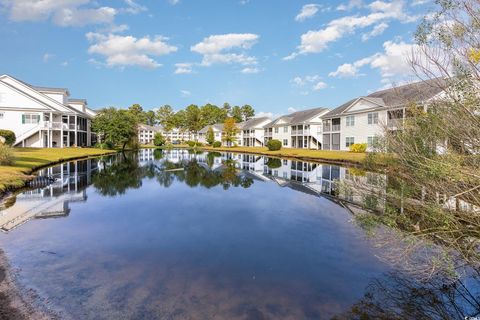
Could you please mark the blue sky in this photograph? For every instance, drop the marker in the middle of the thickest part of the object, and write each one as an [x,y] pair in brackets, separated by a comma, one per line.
[277,55]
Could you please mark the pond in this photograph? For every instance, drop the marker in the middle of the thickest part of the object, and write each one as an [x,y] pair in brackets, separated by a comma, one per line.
[181,235]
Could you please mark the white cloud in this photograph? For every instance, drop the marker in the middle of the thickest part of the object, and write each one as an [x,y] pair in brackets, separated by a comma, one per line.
[183,68]
[63,13]
[350,5]
[350,69]
[250,70]
[262,114]
[185,93]
[313,81]
[302,81]
[291,110]
[393,63]
[419,2]
[124,51]
[174,2]
[315,41]
[376,31]
[307,11]
[133,7]
[319,86]
[47,57]
[216,49]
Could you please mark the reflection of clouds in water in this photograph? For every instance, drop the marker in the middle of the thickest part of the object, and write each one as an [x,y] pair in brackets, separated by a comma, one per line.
[108,287]
[153,244]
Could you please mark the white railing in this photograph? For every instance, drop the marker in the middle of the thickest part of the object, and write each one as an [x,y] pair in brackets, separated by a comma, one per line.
[55,125]
[27,134]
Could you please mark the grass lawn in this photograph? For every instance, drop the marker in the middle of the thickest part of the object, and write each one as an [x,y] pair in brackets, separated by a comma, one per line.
[29,159]
[306,154]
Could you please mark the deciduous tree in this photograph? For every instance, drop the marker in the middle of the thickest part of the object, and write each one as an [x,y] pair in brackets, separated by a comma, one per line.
[230,130]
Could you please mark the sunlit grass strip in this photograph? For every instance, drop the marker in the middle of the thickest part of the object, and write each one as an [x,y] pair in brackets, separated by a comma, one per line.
[29,159]
[302,154]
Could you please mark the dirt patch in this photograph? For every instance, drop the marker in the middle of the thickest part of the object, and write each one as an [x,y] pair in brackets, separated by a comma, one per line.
[14,305]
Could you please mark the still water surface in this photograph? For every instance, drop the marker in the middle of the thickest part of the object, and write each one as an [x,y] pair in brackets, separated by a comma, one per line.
[176,235]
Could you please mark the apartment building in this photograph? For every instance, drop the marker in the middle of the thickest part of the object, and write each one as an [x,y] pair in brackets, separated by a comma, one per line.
[301,129]
[146,134]
[364,119]
[44,116]
[252,132]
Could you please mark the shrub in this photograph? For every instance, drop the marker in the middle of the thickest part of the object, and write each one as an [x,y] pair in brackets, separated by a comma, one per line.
[217,144]
[274,145]
[274,163]
[159,140]
[6,155]
[193,144]
[9,136]
[358,147]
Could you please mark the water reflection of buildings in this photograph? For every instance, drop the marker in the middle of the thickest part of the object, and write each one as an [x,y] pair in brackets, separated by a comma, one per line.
[312,178]
[69,183]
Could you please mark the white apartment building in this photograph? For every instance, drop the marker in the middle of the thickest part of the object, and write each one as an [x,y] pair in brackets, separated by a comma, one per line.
[217,133]
[301,129]
[146,134]
[252,132]
[43,117]
[364,119]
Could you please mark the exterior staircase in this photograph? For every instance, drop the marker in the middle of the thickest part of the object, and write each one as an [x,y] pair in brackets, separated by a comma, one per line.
[27,134]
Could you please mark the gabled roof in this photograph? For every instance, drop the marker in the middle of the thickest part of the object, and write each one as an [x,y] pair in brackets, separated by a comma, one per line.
[49,89]
[253,123]
[37,94]
[215,127]
[299,116]
[147,127]
[82,101]
[418,92]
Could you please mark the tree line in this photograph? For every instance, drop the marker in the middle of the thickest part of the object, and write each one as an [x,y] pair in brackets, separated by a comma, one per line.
[118,127]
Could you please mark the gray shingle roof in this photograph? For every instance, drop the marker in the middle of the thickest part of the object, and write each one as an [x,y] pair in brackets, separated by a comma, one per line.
[217,126]
[398,96]
[84,101]
[252,123]
[147,127]
[298,116]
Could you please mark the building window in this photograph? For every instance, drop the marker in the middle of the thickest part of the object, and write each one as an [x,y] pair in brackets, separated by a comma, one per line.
[285,142]
[285,162]
[372,141]
[373,118]
[349,141]
[285,129]
[276,129]
[30,118]
[1,115]
[350,121]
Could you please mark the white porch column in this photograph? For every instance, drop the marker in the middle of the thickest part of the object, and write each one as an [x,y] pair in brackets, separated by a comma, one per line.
[51,131]
[76,135]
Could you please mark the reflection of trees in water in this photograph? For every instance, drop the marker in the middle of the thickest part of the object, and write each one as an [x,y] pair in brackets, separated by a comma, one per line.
[401,297]
[194,174]
[123,174]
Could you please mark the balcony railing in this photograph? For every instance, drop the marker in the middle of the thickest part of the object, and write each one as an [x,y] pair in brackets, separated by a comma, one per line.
[301,133]
[268,134]
[54,125]
[336,127]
